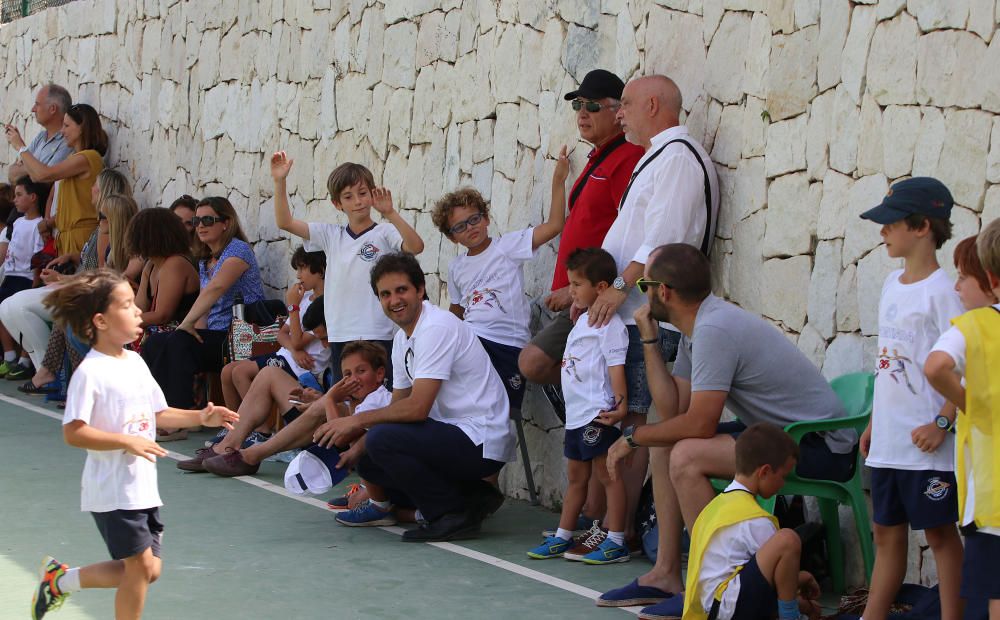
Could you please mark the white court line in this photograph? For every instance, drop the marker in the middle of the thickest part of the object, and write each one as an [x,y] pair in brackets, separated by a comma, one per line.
[485,558]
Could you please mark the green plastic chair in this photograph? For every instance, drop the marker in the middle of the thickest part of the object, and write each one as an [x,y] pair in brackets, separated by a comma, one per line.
[855,392]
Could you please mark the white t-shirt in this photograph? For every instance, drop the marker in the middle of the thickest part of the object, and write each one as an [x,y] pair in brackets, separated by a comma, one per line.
[376,400]
[116,395]
[586,384]
[911,318]
[319,353]
[24,241]
[490,287]
[729,548]
[352,309]
[472,396]
[952,342]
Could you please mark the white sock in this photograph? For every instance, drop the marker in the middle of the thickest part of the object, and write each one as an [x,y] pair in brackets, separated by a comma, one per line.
[70,582]
[617,537]
[564,534]
[9,356]
[418,516]
[25,361]
[383,506]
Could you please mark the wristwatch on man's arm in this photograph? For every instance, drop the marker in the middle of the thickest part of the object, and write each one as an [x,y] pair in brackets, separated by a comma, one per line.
[628,434]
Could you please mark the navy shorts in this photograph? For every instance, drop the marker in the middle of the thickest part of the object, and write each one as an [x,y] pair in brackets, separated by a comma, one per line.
[337,348]
[924,499]
[639,398]
[758,600]
[276,361]
[130,532]
[589,442]
[981,553]
[504,358]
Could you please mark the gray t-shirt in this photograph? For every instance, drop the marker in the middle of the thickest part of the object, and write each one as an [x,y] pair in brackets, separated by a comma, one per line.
[49,151]
[768,379]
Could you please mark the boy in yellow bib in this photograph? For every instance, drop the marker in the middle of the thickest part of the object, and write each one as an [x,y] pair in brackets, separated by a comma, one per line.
[971,350]
[741,566]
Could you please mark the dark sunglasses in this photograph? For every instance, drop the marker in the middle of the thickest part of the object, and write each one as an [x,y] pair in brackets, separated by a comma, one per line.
[461,226]
[205,220]
[591,106]
[643,284]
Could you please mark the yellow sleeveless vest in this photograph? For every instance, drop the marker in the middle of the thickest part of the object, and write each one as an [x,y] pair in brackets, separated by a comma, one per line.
[725,510]
[978,427]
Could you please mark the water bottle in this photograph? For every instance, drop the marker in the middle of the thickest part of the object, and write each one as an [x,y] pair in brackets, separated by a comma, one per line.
[238,306]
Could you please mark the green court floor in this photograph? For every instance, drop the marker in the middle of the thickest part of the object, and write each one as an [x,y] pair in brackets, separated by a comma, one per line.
[240,548]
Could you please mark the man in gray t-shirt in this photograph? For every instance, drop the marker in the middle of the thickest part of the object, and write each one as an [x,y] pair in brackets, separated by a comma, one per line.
[728,358]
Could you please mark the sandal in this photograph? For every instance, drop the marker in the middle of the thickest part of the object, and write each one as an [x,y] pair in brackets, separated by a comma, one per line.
[165,436]
[30,388]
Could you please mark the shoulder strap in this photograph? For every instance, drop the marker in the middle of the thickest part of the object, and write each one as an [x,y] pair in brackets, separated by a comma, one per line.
[635,174]
[593,166]
[706,240]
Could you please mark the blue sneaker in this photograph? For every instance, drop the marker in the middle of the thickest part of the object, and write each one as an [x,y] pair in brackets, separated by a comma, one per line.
[254,438]
[633,594]
[553,547]
[669,609]
[366,514]
[609,552]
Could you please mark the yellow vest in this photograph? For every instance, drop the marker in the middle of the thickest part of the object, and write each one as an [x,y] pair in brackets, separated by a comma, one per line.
[978,427]
[725,510]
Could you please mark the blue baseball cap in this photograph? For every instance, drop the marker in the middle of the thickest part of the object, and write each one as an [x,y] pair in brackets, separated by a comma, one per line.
[915,196]
[314,471]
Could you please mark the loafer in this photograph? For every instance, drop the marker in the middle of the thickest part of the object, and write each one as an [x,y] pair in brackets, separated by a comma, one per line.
[453,526]
[633,594]
[669,609]
[482,499]
[197,463]
[229,465]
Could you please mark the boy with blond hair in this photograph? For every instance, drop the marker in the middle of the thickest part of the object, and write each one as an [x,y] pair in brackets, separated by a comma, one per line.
[906,443]
[970,351]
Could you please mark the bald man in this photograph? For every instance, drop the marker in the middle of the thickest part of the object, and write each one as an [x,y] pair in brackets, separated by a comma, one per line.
[673,197]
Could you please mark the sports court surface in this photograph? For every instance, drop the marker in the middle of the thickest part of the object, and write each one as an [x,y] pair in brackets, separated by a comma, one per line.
[243,548]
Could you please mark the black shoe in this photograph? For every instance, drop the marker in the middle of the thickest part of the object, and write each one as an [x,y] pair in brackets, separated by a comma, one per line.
[482,499]
[555,397]
[452,526]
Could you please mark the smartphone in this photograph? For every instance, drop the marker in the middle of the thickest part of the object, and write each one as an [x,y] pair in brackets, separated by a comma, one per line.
[295,402]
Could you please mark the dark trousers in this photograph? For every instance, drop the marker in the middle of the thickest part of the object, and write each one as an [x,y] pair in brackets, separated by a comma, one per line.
[174,358]
[430,462]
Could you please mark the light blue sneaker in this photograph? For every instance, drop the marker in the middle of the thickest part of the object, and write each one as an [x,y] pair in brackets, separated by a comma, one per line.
[366,514]
[553,547]
[609,552]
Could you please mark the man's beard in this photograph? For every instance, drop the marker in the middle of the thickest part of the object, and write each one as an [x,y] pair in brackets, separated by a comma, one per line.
[658,310]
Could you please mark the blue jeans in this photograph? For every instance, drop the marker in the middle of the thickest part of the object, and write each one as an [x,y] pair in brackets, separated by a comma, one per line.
[639,398]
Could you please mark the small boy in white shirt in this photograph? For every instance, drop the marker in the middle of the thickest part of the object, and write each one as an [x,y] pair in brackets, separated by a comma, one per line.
[486,284]
[353,313]
[593,383]
[906,443]
[113,405]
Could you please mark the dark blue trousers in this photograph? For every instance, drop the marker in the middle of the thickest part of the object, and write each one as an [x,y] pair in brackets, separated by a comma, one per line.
[430,462]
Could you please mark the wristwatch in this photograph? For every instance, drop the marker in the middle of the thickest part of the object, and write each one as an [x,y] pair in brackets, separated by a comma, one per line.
[944,423]
[292,308]
[627,434]
[22,150]
[619,284]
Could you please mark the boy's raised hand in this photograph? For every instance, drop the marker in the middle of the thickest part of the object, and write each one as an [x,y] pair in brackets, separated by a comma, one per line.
[343,389]
[214,415]
[382,201]
[561,172]
[146,448]
[281,164]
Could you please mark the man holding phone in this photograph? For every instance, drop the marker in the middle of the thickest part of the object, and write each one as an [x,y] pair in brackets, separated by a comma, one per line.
[48,147]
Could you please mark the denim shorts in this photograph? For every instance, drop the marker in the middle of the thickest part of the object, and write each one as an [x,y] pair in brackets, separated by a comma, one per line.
[639,398]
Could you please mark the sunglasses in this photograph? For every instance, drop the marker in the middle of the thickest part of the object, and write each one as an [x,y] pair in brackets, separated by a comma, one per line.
[205,220]
[643,284]
[461,226]
[591,106]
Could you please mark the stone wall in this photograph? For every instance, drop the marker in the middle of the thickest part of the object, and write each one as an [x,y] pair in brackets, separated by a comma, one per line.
[810,110]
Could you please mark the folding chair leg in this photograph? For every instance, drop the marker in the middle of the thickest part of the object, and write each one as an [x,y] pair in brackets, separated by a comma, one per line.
[519,424]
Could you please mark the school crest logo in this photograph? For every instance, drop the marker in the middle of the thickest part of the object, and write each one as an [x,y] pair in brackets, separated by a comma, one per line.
[369,252]
[514,382]
[937,489]
[591,435]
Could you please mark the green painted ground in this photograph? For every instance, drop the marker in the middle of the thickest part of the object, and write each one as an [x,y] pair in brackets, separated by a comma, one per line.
[232,550]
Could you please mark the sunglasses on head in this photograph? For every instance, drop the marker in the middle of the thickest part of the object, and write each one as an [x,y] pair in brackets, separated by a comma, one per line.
[461,226]
[205,220]
[590,106]
[643,284]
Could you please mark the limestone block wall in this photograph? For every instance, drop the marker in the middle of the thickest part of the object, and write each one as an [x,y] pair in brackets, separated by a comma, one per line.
[810,110]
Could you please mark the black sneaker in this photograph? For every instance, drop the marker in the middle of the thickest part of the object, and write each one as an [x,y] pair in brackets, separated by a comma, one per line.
[17,372]
[451,526]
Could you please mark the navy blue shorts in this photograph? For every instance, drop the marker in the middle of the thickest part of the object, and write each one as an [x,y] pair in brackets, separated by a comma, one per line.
[589,442]
[733,428]
[924,499]
[981,553]
[758,600]
[504,359]
[130,532]
[275,361]
[337,348]
[639,398]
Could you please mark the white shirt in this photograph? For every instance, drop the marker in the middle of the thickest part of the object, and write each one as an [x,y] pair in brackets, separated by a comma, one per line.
[665,204]
[911,318]
[729,548]
[24,241]
[490,287]
[586,384]
[319,353]
[376,400]
[472,396]
[116,396]
[352,309]
[952,342]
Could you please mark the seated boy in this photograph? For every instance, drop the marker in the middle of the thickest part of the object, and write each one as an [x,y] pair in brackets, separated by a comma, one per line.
[741,566]
[971,350]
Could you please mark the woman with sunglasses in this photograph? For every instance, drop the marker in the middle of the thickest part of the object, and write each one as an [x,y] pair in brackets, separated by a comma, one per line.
[226,268]
[75,211]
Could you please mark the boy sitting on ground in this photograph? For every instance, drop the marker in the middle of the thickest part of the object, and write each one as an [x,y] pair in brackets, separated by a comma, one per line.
[741,566]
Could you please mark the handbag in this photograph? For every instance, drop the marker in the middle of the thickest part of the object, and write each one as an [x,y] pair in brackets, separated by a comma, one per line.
[247,340]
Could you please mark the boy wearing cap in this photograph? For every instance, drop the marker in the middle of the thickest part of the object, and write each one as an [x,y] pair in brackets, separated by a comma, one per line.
[907,443]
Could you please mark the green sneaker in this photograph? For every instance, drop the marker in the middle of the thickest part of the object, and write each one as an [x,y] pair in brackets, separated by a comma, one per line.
[5,368]
[48,596]
[553,547]
[17,372]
